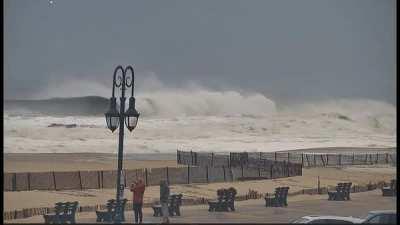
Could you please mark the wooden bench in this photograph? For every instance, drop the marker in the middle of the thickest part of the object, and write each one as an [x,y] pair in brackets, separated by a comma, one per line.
[278,199]
[342,192]
[175,201]
[64,213]
[109,214]
[225,201]
[390,190]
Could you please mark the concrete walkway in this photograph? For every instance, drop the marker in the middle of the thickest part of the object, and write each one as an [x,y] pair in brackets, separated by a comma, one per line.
[254,211]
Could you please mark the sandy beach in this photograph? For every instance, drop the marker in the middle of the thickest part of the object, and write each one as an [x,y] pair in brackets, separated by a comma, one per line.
[45,162]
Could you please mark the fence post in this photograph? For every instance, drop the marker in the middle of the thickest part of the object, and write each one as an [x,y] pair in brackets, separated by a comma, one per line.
[126,185]
[242,170]
[340,159]
[271,173]
[191,157]
[14,182]
[275,156]
[223,167]
[322,159]
[287,166]
[207,173]
[229,165]
[80,179]
[188,174]
[29,181]
[387,158]
[98,179]
[260,155]
[145,177]
[177,156]
[167,175]
[319,189]
[195,159]
[377,158]
[288,157]
[315,161]
[212,159]
[54,180]
[366,158]
[327,159]
[302,159]
[352,161]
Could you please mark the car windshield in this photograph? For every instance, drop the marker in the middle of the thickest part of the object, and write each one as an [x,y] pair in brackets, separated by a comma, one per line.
[369,216]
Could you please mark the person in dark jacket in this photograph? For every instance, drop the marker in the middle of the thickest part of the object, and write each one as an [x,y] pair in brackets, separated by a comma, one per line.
[138,191]
[164,197]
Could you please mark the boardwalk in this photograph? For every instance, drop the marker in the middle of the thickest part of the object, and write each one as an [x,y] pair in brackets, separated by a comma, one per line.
[254,210]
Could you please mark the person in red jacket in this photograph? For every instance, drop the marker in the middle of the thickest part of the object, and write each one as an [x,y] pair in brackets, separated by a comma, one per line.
[138,191]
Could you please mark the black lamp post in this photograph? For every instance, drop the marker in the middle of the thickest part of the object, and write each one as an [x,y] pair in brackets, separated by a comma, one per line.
[115,118]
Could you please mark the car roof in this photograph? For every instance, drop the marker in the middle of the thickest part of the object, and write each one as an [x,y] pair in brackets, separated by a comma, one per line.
[382,211]
[323,217]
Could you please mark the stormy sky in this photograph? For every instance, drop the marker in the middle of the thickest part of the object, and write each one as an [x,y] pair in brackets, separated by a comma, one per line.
[286,49]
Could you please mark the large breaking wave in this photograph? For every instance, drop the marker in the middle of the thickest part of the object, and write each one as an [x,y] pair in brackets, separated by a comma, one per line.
[198,118]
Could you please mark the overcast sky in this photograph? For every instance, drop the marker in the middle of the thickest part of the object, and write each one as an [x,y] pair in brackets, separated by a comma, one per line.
[285,49]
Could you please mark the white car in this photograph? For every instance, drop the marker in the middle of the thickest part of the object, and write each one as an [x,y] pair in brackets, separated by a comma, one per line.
[381,217]
[328,219]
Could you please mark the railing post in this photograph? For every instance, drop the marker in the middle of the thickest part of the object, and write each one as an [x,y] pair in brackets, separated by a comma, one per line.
[275,156]
[302,159]
[288,157]
[212,159]
[352,161]
[387,158]
[340,159]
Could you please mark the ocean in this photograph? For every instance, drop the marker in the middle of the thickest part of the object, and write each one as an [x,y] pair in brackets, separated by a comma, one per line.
[199,121]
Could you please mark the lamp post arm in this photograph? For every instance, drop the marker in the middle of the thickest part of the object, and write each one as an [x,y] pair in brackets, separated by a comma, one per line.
[132,83]
[119,67]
